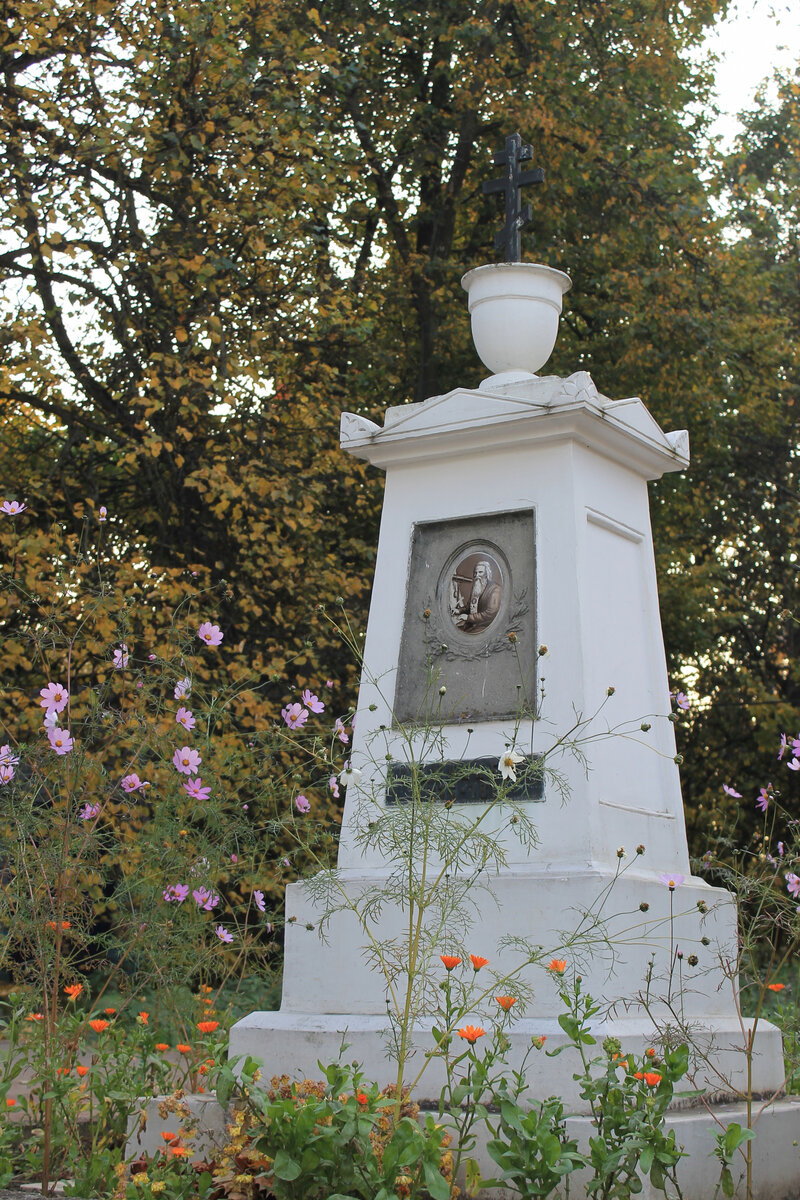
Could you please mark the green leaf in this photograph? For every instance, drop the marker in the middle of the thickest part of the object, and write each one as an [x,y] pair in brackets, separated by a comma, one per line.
[285,1167]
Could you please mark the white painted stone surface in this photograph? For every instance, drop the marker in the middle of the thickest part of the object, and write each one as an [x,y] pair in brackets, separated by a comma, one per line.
[581,463]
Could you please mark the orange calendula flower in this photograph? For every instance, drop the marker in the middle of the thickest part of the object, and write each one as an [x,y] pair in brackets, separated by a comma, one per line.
[207,1026]
[183,1048]
[143,1017]
[449,961]
[776,987]
[54,925]
[110,1012]
[506,1002]
[471,1033]
[73,990]
[651,1053]
[652,1078]
[169,1137]
[477,961]
[178,1151]
[98,1024]
[539,1040]
[35,1017]
[362,1098]
[10,1102]
[638,1074]
[82,1071]
[162,1046]
[558,966]
[205,987]
[62,1071]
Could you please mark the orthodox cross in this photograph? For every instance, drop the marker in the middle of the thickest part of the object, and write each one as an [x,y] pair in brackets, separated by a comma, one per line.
[514,154]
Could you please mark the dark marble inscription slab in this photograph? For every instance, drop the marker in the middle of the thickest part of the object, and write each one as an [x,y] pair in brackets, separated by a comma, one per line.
[470,620]
[471,781]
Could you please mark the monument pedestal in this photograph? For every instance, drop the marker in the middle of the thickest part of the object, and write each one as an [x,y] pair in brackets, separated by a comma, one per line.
[555,477]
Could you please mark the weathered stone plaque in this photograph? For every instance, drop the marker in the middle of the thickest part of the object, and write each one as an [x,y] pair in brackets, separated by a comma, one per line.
[470,781]
[470,620]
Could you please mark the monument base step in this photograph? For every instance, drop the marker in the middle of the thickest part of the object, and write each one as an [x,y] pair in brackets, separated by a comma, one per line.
[293,1044]
[775,1148]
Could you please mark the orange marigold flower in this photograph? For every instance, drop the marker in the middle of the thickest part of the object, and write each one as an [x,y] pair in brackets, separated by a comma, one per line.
[10,1101]
[178,1151]
[162,1046]
[477,961]
[207,1026]
[169,1137]
[73,990]
[449,961]
[202,1069]
[558,966]
[184,1049]
[638,1074]
[98,1024]
[651,1052]
[506,1002]
[471,1033]
[776,987]
[362,1098]
[652,1078]
[82,1071]
[143,1017]
[110,1012]
[35,1017]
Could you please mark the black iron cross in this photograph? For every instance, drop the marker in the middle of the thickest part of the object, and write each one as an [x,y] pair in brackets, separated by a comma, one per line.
[514,154]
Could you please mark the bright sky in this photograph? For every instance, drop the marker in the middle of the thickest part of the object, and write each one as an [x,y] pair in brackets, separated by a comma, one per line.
[757,37]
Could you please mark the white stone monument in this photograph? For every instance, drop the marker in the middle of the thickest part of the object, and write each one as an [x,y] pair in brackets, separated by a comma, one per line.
[543,480]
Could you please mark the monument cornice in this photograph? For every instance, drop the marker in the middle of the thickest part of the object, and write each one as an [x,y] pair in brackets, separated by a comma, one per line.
[537,410]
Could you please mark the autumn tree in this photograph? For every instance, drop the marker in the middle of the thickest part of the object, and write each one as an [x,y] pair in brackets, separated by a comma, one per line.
[222,225]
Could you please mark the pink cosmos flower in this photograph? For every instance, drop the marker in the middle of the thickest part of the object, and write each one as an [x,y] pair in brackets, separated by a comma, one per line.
[196,790]
[131,783]
[61,740]
[212,635]
[328,683]
[177,892]
[7,757]
[313,702]
[182,688]
[13,507]
[50,719]
[186,760]
[729,791]
[784,746]
[764,797]
[794,765]
[6,772]
[333,784]
[295,715]
[792,884]
[302,804]
[672,881]
[234,857]
[338,729]
[259,899]
[205,899]
[223,934]
[682,701]
[121,657]
[185,718]
[89,812]
[796,747]
[102,514]
[54,697]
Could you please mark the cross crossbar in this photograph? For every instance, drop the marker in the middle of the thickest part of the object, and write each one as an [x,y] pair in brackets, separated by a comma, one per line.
[514,153]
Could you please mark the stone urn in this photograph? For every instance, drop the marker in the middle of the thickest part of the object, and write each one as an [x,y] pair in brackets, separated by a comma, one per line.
[514,310]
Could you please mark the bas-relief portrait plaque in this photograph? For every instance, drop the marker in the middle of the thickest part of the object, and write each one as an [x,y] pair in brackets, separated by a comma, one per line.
[471,583]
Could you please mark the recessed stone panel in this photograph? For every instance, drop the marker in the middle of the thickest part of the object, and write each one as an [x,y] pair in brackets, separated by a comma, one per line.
[470,621]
